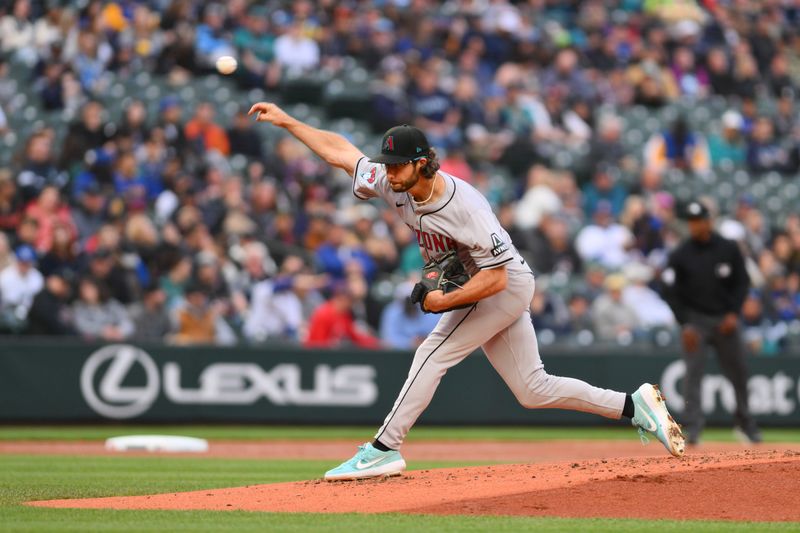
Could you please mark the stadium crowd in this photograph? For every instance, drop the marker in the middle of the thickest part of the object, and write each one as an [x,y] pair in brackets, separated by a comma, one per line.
[139,228]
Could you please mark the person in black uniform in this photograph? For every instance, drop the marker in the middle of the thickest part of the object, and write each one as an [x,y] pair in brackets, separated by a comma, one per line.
[705,284]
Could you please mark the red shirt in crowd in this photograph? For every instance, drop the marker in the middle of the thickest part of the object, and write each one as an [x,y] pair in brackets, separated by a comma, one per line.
[328,327]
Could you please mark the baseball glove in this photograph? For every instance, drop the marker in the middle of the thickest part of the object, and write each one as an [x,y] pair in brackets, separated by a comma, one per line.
[444,274]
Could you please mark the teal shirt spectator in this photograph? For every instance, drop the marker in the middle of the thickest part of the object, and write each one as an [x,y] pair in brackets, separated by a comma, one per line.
[260,45]
[729,145]
[722,149]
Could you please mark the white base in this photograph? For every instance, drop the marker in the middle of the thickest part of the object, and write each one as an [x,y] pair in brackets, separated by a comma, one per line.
[389,469]
[156,443]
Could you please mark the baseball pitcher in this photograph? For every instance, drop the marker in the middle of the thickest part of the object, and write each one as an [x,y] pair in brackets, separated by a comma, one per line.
[478,281]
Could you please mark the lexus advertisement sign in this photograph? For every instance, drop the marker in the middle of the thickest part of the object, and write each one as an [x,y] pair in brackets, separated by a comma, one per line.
[127,383]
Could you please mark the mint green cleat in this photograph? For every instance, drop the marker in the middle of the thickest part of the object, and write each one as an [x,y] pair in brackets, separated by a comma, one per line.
[651,415]
[368,462]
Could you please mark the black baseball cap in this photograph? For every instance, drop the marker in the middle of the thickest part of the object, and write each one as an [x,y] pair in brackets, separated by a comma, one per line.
[402,144]
[696,211]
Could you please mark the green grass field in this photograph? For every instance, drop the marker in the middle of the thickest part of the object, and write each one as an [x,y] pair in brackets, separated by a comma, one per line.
[29,477]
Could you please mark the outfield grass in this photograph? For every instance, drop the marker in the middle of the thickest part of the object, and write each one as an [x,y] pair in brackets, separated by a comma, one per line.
[359,434]
[28,477]
[24,478]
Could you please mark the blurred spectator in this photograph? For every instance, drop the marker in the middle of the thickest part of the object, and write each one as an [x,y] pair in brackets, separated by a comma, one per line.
[205,133]
[89,214]
[169,121]
[580,317]
[151,322]
[720,76]
[256,44]
[91,61]
[275,311]
[677,147]
[50,313]
[539,199]
[63,253]
[295,51]
[787,120]
[243,138]
[548,310]
[103,267]
[780,82]
[133,129]
[98,316]
[27,231]
[16,31]
[403,325]
[691,78]
[650,310]
[552,250]
[11,204]
[566,75]
[38,170]
[613,318]
[174,281]
[88,134]
[764,153]
[654,84]
[604,187]
[759,334]
[433,110]
[606,147]
[211,40]
[19,283]
[730,145]
[340,248]
[129,184]
[746,76]
[196,321]
[332,323]
[49,212]
[604,241]
[390,103]
[6,252]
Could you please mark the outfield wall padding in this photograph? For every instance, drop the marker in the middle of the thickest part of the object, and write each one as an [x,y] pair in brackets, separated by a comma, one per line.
[64,382]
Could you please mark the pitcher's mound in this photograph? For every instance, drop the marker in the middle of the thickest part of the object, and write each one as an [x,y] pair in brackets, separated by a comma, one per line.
[756,486]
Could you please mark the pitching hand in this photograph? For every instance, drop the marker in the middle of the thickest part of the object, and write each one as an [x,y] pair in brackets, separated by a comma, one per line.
[434,301]
[269,112]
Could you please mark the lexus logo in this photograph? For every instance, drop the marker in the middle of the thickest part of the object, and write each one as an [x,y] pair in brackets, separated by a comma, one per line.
[112,399]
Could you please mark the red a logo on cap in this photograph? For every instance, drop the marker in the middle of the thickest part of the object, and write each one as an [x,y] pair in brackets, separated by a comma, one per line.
[389,144]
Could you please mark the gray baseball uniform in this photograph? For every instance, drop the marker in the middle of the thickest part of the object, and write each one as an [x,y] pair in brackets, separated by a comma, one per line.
[462,220]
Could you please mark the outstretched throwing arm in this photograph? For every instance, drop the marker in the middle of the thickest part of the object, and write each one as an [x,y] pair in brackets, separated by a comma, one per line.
[332,147]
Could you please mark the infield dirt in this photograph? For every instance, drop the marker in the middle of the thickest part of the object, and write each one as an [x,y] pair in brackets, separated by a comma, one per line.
[606,479]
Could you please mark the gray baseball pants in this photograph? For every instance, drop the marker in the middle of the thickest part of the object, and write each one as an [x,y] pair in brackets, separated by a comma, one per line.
[501,325]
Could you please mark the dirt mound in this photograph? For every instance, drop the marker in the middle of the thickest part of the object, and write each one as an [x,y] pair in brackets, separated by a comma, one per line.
[750,485]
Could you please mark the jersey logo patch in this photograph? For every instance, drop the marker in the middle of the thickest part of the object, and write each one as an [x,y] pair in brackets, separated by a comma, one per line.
[498,246]
[369,176]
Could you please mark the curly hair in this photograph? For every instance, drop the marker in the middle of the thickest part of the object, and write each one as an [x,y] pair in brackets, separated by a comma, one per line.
[432,165]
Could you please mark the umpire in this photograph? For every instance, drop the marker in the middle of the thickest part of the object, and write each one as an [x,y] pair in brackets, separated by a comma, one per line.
[705,284]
